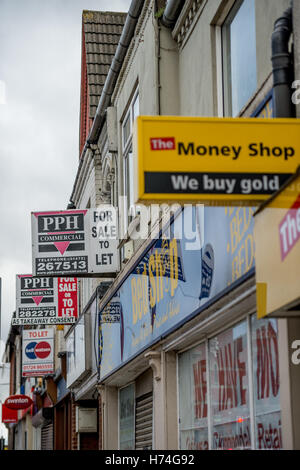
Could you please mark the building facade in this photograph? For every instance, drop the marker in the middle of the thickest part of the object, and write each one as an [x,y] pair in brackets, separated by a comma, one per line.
[187,364]
[170,353]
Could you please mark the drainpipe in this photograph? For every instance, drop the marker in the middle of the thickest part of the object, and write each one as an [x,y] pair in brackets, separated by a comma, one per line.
[171,12]
[282,65]
[113,73]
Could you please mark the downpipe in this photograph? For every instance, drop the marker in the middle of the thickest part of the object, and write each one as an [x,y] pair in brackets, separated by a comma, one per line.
[282,63]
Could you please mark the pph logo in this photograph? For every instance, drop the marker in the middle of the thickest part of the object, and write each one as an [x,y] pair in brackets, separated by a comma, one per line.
[162,143]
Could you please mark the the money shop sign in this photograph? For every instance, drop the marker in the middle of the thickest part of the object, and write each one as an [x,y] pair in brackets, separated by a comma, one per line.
[75,242]
[213,160]
[45,300]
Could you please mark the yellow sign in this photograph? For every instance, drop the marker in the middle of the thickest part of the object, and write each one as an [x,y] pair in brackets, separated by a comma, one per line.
[213,160]
[277,246]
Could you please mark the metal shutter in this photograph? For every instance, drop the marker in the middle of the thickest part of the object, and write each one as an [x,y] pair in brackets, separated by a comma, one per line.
[47,437]
[143,422]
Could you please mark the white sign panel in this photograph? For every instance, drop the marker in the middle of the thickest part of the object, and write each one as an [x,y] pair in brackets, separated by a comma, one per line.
[45,300]
[75,242]
[37,352]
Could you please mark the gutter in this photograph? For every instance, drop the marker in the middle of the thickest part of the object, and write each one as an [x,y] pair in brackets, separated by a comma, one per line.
[171,12]
[283,65]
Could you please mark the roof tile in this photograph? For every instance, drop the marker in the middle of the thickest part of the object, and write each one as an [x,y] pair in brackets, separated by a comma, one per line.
[102,31]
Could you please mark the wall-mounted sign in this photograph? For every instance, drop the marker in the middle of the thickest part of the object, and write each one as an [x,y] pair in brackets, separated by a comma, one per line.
[277,242]
[18,402]
[37,352]
[45,300]
[213,160]
[75,242]
[175,279]
[8,415]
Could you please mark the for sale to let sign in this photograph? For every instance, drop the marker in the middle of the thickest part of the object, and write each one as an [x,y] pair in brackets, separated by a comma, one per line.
[75,242]
[37,353]
[45,300]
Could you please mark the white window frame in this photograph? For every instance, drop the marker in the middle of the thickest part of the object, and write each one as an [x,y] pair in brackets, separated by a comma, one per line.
[127,145]
[222,88]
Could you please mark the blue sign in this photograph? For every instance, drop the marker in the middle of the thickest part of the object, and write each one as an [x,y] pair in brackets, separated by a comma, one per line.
[207,250]
[30,350]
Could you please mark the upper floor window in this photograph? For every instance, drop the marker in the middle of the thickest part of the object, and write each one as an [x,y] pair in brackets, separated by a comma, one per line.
[239,56]
[128,168]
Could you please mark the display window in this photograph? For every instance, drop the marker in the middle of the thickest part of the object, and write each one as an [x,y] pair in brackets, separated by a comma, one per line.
[264,334]
[229,389]
[228,368]
[193,424]
[127,417]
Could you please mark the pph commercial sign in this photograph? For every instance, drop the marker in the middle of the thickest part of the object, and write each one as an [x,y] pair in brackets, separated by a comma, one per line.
[45,300]
[75,242]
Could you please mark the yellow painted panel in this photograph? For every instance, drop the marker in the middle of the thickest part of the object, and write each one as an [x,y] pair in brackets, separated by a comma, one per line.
[277,247]
[213,160]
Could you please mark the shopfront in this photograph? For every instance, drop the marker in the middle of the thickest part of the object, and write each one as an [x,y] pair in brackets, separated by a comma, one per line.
[229,389]
[277,235]
[227,386]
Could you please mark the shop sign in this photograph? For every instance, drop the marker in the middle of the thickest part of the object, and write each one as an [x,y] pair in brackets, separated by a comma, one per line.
[177,277]
[45,300]
[8,415]
[37,352]
[213,160]
[18,402]
[80,243]
[277,241]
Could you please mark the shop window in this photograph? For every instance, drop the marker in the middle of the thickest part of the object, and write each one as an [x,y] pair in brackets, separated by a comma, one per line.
[128,170]
[127,418]
[239,56]
[214,407]
[229,374]
[79,350]
[266,384]
[192,379]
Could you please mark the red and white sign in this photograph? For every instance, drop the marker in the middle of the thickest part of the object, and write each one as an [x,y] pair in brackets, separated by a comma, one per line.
[289,229]
[162,143]
[18,402]
[67,297]
[38,353]
[9,415]
[45,300]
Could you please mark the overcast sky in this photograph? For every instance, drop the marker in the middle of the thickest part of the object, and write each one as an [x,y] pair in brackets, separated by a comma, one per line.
[40,57]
